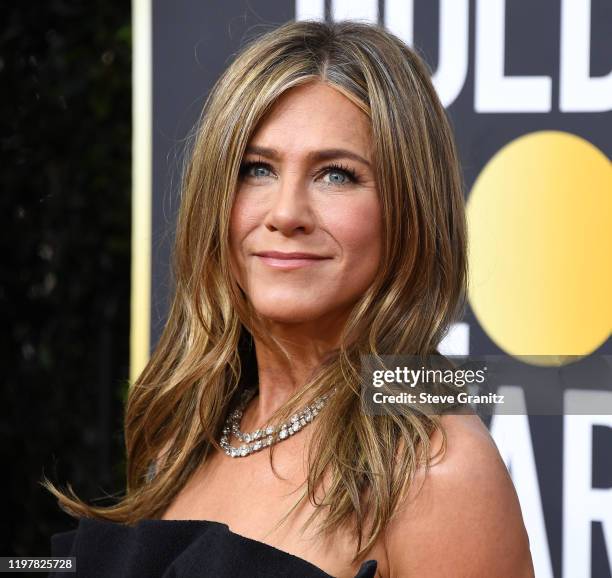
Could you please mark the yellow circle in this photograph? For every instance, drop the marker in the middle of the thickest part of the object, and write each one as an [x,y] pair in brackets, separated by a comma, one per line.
[540,247]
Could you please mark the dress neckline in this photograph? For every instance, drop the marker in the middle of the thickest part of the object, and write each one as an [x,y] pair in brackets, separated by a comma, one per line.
[152,522]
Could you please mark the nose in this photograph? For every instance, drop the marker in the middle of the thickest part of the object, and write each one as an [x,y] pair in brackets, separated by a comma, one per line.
[290,207]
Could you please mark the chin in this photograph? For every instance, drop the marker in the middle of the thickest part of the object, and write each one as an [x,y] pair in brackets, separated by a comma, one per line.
[289,312]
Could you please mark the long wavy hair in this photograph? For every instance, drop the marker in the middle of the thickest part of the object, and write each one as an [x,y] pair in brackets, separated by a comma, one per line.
[204,356]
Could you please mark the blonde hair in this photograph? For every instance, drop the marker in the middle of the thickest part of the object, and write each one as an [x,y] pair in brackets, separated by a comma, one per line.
[204,355]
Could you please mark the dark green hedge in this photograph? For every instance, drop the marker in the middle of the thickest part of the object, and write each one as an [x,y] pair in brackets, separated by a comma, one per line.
[65,73]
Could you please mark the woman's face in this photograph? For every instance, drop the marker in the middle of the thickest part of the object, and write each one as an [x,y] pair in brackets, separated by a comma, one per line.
[307,186]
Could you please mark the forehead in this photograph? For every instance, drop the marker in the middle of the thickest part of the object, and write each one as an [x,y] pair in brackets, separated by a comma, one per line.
[314,115]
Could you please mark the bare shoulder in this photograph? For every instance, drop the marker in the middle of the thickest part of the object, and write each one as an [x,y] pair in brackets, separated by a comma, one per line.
[466,519]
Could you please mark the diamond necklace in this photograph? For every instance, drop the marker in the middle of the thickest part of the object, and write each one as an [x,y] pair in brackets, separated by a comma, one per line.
[264,437]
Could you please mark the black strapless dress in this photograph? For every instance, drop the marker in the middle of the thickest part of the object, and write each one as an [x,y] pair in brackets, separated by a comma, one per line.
[178,549]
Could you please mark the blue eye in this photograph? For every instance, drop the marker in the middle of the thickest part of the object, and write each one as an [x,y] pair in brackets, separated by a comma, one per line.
[349,174]
[246,167]
[340,170]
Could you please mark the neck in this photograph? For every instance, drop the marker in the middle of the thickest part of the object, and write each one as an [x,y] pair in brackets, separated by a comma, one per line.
[308,345]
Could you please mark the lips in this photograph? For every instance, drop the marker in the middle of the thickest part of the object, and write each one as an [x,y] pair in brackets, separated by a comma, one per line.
[288,261]
[293,255]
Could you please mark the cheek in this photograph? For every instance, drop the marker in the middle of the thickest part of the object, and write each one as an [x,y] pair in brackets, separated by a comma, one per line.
[237,219]
[238,229]
[357,228]
[243,218]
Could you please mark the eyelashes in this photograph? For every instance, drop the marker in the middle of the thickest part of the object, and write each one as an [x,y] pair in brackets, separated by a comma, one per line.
[352,176]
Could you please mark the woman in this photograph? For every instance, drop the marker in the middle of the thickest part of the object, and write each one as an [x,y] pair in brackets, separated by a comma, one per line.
[322,218]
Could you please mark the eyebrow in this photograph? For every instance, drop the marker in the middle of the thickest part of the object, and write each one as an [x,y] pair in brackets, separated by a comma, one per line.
[320,155]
